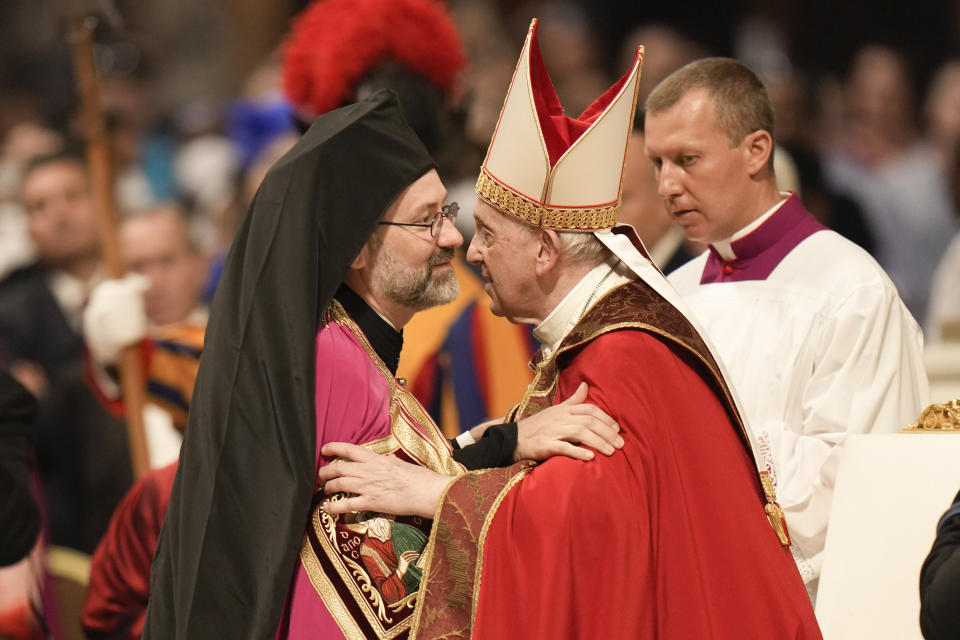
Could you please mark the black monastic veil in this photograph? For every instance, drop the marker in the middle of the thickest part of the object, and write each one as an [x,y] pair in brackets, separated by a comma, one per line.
[241,499]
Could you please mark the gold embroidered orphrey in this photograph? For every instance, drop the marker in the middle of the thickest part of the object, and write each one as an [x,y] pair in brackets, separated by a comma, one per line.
[337,551]
[938,418]
[635,305]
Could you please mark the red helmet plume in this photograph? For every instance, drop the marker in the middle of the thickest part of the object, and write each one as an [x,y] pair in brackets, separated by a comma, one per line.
[333,44]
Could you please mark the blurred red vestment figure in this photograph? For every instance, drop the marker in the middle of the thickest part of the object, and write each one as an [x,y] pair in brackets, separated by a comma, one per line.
[120,570]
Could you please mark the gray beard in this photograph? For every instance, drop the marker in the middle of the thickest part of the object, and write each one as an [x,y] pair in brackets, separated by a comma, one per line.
[415,288]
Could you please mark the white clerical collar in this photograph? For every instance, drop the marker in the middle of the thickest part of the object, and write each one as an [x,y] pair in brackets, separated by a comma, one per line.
[724,247]
[598,281]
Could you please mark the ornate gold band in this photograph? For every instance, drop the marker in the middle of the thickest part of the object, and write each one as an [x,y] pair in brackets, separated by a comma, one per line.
[541,215]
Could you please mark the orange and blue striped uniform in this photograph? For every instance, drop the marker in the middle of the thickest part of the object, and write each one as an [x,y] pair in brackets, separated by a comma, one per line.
[171,359]
[172,362]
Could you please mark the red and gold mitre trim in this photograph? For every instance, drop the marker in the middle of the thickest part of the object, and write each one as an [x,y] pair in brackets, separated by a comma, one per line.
[548,169]
[541,215]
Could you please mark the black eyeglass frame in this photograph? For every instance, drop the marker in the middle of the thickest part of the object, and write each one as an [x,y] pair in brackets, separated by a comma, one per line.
[449,212]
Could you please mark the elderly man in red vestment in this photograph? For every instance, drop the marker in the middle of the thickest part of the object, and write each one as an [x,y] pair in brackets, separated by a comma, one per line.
[677,536]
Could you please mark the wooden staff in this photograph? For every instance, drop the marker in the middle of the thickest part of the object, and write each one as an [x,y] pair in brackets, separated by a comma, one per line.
[101,179]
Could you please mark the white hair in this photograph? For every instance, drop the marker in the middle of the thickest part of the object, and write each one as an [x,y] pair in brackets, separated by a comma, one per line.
[582,248]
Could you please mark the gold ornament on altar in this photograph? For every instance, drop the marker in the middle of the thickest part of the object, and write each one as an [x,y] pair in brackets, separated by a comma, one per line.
[938,418]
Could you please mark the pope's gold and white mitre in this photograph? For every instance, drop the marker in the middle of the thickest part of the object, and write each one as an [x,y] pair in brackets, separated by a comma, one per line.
[548,169]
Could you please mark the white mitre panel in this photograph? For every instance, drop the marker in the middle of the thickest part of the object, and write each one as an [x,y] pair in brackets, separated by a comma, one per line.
[517,155]
[588,174]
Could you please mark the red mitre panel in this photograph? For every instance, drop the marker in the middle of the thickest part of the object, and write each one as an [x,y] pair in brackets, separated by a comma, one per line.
[561,131]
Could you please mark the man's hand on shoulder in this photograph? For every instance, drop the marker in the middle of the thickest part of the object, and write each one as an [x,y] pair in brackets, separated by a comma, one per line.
[558,430]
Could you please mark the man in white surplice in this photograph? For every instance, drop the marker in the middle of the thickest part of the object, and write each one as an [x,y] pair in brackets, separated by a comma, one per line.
[812,331]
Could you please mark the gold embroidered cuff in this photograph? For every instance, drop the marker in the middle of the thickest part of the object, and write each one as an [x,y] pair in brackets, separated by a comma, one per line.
[541,215]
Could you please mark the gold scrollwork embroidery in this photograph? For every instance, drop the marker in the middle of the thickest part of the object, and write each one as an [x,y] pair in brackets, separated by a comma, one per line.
[366,586]
[361,584]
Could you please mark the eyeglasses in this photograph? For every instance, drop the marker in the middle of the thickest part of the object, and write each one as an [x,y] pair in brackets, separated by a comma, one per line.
[449,212]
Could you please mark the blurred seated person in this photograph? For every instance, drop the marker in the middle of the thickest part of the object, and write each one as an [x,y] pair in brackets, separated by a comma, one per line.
[831,207]
[941,109]
[940,580]
[793,97]
[82,453]
[880,159]
[22,142]
[40,304]
[158,304]
[644,210]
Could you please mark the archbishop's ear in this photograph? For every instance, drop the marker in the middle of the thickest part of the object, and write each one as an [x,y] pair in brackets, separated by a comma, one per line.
[548,251]
[363,258]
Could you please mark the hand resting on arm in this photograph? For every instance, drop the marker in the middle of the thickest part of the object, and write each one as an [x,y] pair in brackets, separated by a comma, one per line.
[386,484]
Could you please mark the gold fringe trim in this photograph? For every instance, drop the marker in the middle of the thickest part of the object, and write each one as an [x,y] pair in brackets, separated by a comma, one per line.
[775,514]
[545,216]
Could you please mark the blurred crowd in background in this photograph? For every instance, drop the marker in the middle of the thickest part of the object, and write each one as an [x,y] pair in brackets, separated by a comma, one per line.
[867,103]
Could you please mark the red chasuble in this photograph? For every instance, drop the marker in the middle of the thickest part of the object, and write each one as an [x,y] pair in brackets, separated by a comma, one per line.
[665,539]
